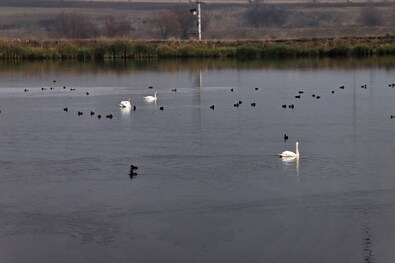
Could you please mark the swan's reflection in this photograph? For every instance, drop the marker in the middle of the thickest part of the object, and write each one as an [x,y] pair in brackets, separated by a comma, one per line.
[153,102]
[291,161]
[125,112]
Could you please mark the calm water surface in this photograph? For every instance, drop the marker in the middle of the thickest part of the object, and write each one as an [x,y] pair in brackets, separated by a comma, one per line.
[210,187]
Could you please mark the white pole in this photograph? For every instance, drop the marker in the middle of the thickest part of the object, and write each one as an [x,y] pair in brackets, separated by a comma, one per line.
[199,21]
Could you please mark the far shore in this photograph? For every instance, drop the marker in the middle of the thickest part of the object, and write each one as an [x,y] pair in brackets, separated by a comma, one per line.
[98,49]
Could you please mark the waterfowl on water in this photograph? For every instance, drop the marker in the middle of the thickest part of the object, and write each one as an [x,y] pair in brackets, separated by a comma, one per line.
[291,154]
[132,171]
[151,98]
[285,137]
[126,103]
[212,107]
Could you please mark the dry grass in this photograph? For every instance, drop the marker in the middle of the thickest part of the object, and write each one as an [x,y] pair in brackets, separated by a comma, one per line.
[115,49]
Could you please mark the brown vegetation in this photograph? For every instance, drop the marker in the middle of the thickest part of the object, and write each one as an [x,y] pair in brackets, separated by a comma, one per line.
[164,24]
[113,49]
[117,28]
[74,26]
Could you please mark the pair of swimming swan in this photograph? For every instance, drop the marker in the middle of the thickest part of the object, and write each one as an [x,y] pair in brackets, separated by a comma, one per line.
[128,103]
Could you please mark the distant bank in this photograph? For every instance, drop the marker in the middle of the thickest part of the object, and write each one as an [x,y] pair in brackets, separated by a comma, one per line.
[107,3]
[131,49]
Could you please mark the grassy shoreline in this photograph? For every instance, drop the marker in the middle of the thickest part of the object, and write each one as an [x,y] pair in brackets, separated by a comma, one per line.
[132,49]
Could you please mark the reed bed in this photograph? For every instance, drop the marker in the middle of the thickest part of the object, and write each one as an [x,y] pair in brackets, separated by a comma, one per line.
[129,49]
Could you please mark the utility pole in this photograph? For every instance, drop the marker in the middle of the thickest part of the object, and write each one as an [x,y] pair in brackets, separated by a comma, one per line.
[198,12]
[199,23]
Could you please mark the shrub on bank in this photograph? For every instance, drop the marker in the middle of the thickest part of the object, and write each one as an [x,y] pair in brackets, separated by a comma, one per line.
[167,51]
[248,52]
[339,51]
[284,51]
[362,51]
[385,50]
[141,51]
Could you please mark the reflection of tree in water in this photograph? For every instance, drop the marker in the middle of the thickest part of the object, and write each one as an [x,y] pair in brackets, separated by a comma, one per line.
[71,67]
[367,252]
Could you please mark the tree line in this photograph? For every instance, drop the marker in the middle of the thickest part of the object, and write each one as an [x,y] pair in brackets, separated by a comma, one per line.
[76,26]
[181,23]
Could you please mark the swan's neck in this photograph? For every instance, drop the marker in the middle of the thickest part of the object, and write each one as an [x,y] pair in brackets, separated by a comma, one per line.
[155,95]
[297,149]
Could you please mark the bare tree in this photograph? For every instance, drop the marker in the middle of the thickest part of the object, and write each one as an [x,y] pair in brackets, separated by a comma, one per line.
[110,26]
[186,20]
[165,24]
[72,25]
[124,27]
[117,28]
[393,13]
[371,16]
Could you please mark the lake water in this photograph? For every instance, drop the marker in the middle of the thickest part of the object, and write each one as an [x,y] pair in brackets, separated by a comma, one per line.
[209,186]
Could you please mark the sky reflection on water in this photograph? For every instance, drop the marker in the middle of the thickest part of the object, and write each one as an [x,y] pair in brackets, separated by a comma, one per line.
[210,186]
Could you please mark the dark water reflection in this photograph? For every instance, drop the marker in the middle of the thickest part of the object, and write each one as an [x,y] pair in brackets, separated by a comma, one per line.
[169,65]
[209,186]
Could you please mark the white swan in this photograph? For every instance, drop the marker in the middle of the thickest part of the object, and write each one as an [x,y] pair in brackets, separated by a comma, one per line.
[151,98]
[126,103]
[291,154]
